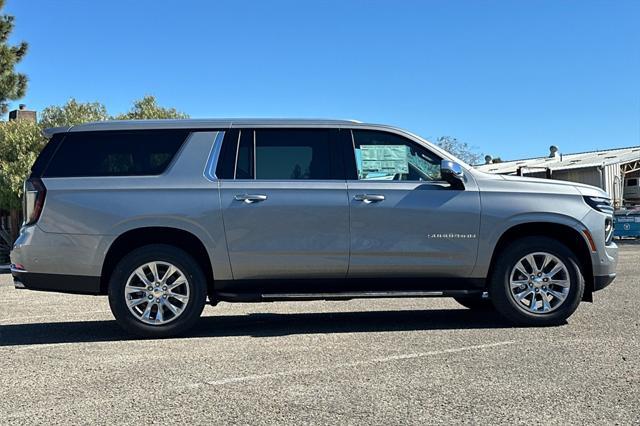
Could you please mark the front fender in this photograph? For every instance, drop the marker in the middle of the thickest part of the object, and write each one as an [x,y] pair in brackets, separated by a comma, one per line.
[493,228]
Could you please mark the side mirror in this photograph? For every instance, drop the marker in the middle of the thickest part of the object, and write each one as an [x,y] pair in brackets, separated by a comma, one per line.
[452,173]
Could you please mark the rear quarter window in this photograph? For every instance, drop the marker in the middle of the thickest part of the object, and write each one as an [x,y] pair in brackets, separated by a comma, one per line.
[115,153]
[46,154]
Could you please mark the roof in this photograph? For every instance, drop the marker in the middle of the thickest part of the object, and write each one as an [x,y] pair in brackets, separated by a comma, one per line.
[198,124]
[567,161]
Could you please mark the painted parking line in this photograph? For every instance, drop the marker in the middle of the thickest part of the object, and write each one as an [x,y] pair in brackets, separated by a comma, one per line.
[12,320]
[392,358]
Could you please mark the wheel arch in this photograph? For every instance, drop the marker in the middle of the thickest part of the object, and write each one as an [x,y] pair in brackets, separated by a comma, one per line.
[139,237]
[567,235]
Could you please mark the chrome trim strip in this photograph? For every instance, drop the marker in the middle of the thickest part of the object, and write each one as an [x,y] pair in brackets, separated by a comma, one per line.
[214,154]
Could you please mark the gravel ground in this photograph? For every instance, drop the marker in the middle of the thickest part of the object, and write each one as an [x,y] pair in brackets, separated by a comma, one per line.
[64,360]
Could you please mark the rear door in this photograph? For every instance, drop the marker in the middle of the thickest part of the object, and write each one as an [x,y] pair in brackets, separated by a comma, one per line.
[285,207]
[406,221]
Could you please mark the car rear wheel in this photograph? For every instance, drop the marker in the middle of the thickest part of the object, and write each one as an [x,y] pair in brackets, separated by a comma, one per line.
[157,291]
[536,281]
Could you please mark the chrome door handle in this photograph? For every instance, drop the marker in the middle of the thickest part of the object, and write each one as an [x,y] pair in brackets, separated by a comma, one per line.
[369,198]
[250,198]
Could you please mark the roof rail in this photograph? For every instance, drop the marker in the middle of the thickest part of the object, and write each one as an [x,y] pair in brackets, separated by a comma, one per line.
[50,131]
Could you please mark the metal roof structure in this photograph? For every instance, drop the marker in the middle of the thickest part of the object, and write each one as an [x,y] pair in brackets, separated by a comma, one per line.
[568,161]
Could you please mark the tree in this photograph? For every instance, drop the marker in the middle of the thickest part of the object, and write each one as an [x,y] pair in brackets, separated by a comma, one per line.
[20,143]
[72,113]
[147,108]
[460,149]
[12,84]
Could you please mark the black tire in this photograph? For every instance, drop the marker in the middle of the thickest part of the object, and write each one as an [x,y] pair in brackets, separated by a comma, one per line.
[164,253]
[500,289]
[475,303]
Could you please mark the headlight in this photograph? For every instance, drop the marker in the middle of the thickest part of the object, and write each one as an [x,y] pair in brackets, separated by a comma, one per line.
[603,205]
[600,203]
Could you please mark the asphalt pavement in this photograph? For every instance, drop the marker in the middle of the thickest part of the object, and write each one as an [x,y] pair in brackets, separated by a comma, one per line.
[400,361]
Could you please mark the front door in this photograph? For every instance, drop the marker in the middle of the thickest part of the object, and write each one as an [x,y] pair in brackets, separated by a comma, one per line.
[286,213]
[405,221]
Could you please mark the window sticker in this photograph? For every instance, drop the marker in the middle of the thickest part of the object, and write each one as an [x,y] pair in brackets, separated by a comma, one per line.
[384,159]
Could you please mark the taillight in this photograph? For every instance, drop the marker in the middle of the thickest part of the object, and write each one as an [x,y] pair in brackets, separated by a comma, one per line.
[34,194]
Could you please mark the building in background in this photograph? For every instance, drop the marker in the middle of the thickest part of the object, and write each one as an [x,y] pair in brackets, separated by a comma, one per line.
[22,113]
[608,169]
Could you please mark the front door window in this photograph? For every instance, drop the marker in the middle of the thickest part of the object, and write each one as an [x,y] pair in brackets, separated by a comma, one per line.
[386,156]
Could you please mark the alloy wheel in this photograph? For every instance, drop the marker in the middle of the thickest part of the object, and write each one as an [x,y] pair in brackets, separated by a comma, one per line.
[539,283]
[157,293]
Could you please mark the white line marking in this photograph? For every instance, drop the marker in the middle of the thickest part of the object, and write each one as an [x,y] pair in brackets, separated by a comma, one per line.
[254,377]
[10,320]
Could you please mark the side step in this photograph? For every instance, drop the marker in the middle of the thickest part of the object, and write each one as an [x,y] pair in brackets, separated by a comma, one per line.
[274,297]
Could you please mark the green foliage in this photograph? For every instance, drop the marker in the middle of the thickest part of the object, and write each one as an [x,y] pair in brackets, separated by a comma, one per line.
[147,108]
[462,150]
[12,84]
[72,113]
[20,143]
[22,140]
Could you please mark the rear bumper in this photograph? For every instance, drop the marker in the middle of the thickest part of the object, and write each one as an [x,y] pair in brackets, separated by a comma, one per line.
[50,253]
[602,281]
[76,284]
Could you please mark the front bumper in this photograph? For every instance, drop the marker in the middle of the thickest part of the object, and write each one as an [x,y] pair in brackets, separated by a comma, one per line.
[605,260]
[602,281]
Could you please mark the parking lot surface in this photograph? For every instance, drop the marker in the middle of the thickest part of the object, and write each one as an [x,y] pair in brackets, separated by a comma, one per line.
[64,360]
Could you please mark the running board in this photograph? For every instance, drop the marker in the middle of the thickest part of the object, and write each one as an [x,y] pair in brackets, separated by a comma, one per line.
[353,295]
[273,297]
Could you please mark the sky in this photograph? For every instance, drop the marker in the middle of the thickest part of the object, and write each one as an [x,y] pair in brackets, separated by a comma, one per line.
[509,78]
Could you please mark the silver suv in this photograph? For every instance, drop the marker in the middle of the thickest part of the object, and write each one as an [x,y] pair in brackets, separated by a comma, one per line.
[164,216]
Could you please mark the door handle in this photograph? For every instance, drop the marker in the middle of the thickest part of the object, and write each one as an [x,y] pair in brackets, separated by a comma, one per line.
[250,198]
[369,198]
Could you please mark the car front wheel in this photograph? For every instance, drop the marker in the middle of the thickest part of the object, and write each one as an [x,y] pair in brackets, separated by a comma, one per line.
[536,281]
[157,291]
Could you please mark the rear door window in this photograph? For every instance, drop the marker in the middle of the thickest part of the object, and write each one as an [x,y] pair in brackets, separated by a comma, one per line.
[292,154]
[227,158]
[288,154]
[115,153]
[245,165]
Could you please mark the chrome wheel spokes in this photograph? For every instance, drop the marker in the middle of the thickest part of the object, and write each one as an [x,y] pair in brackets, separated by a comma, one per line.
[157,293]
[539,282]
